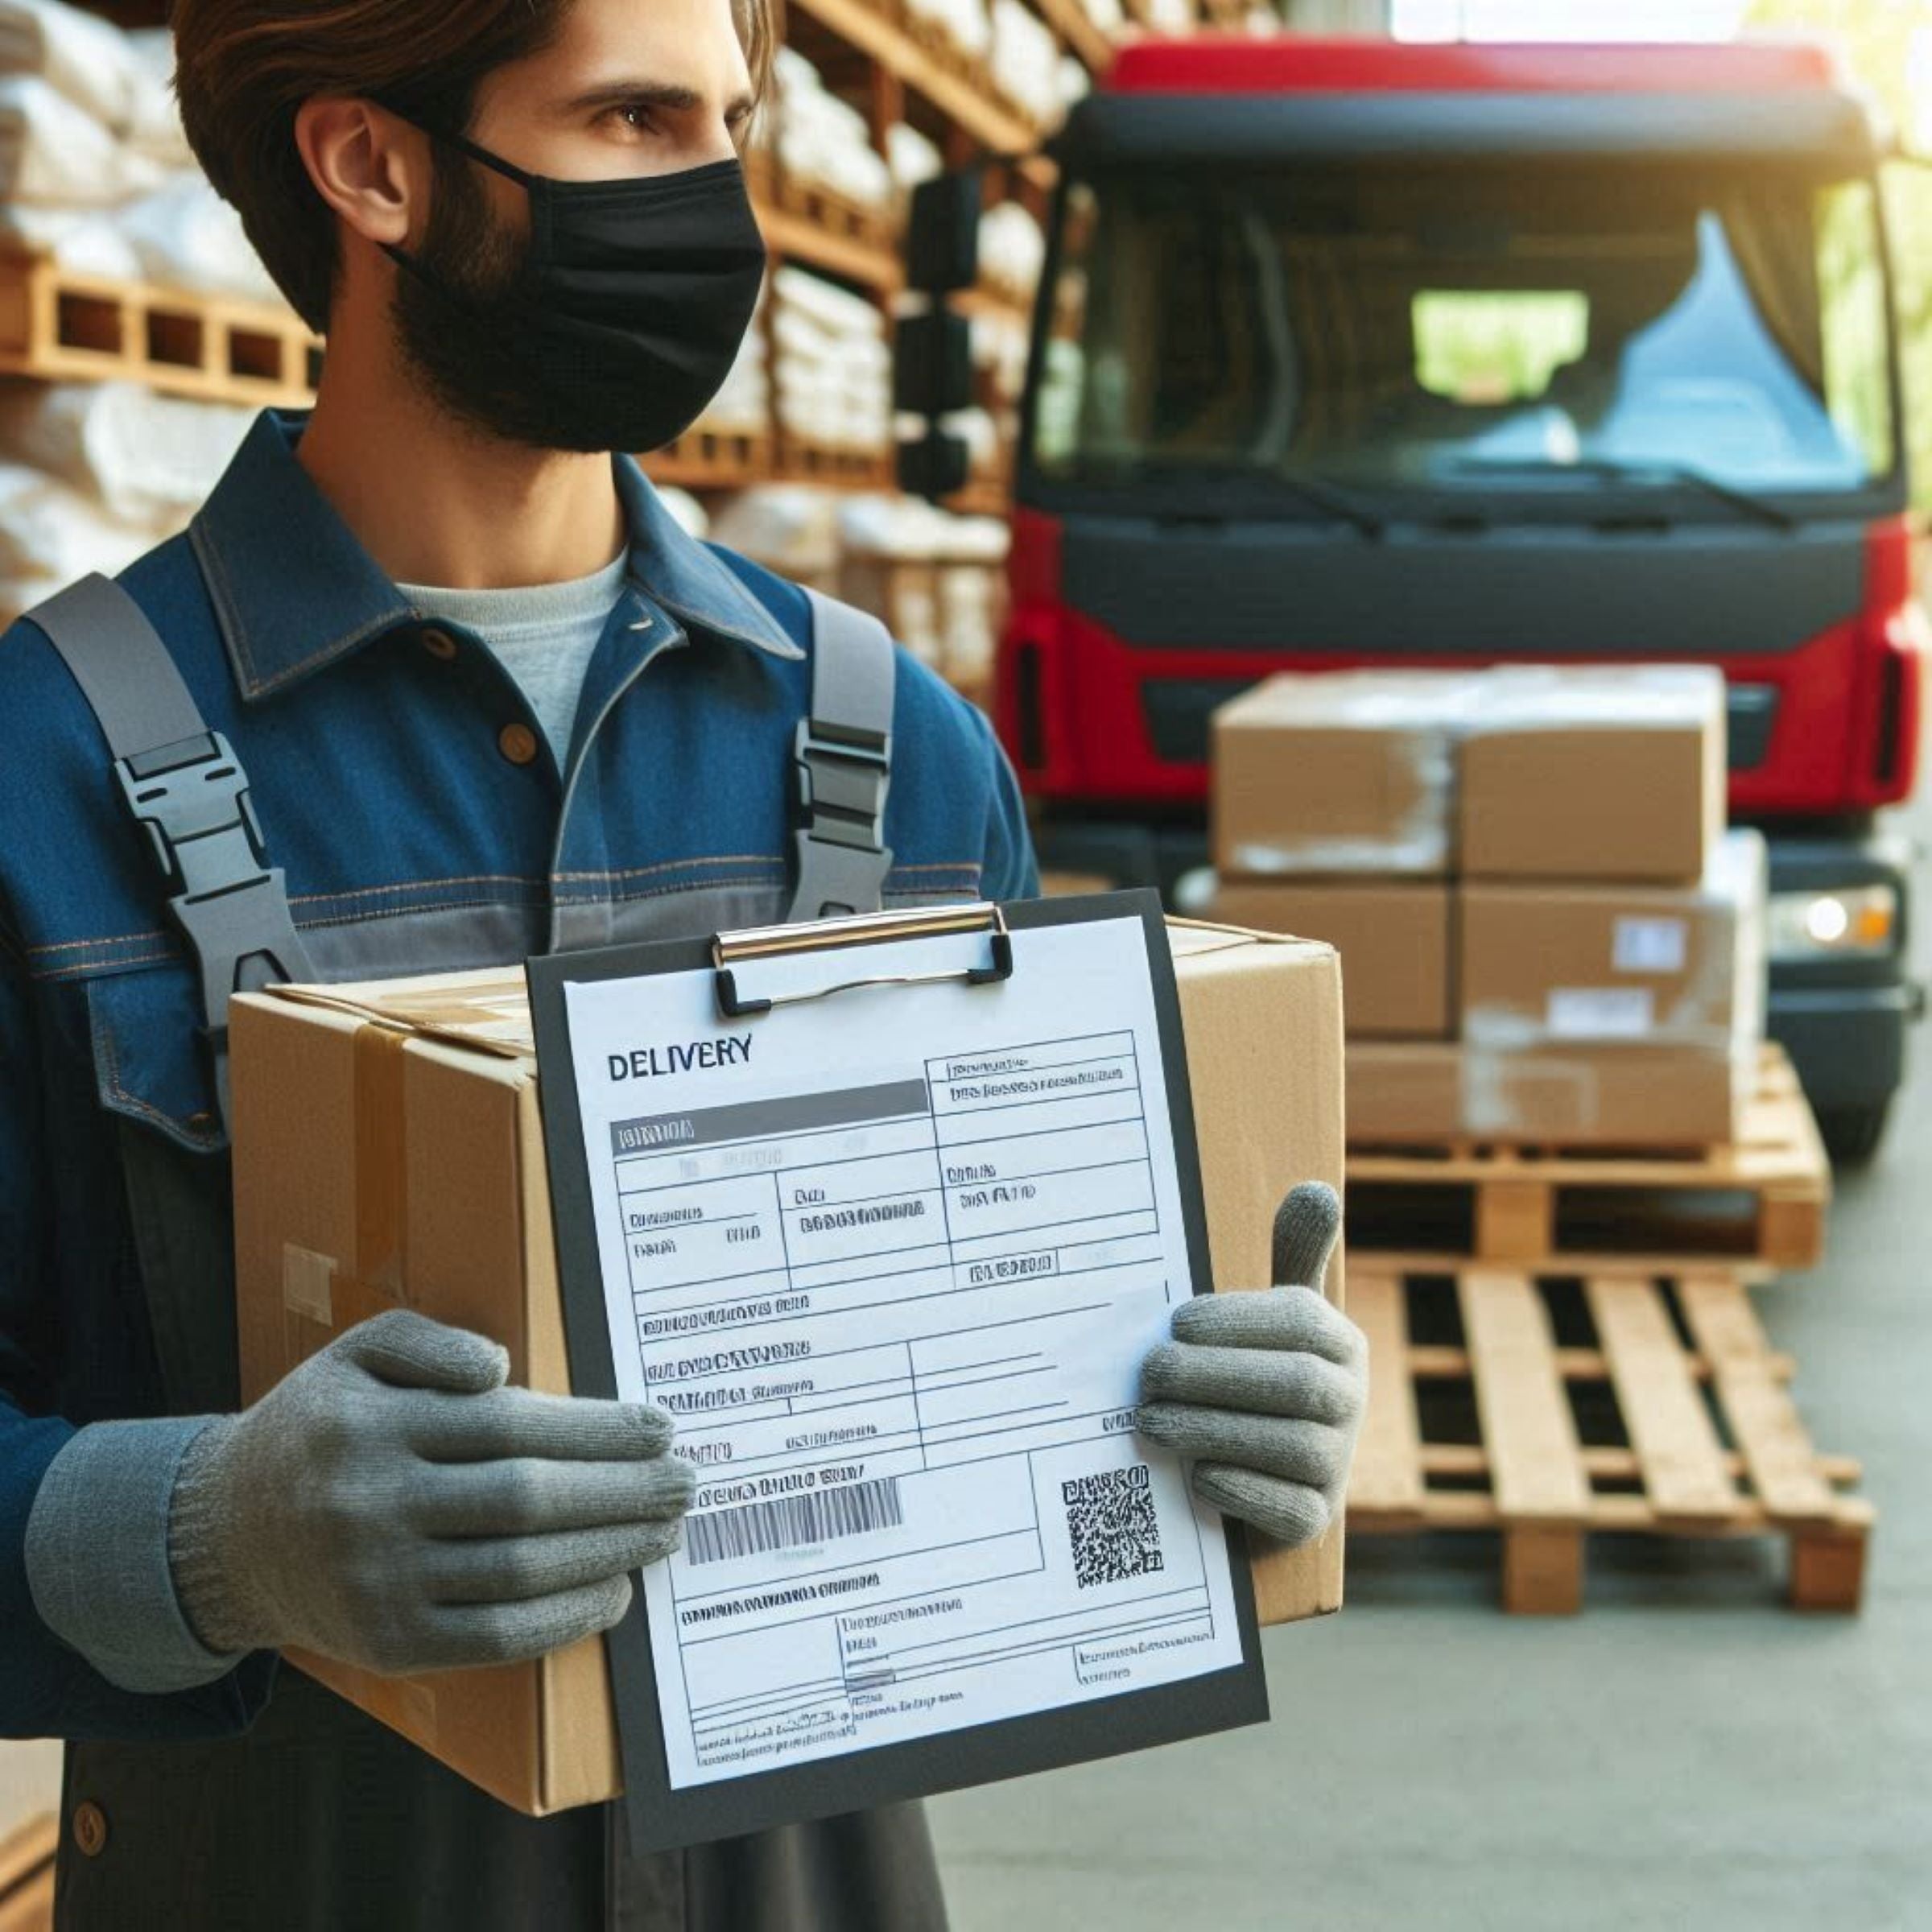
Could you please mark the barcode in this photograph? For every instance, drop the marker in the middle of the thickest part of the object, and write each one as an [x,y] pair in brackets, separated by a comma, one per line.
[792,1522]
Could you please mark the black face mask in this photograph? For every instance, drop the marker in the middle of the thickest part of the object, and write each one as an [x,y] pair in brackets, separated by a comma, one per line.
[611,330]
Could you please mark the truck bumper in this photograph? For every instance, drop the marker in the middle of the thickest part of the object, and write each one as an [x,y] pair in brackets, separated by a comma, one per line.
[1844,1021]
[1849,1045]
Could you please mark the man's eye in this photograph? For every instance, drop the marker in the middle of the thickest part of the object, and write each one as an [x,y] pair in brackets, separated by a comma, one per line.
[634,118]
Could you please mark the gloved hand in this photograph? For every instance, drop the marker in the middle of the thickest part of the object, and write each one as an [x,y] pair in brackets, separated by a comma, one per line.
[391,1504]
[1265,1390]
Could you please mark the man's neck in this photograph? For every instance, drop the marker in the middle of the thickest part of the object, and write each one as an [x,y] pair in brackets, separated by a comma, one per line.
[434,500]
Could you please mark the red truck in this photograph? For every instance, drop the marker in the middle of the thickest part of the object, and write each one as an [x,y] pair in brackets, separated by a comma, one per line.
[1356,353]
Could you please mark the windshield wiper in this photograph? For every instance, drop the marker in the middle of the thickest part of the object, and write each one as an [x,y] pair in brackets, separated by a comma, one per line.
[1324,496]
[1610,470]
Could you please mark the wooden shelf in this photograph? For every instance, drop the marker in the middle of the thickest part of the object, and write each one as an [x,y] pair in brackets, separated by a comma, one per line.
[1068,19]
[870,260]
[964,100]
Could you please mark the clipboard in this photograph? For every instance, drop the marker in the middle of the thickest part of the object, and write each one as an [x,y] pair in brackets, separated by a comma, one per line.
[748,976]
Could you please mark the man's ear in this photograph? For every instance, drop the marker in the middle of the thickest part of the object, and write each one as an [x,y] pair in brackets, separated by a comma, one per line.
[371,168]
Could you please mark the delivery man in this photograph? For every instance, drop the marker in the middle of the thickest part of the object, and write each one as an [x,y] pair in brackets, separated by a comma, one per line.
[434,681]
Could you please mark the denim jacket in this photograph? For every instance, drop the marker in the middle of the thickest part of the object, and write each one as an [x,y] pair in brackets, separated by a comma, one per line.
[418,833]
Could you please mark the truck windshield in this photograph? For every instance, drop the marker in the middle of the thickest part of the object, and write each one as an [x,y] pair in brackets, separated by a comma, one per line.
[1575,336]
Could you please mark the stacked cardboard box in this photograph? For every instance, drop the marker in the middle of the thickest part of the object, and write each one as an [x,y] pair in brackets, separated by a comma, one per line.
[1546,934]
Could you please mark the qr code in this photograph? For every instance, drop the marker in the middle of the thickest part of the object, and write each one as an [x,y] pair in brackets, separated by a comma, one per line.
[1112,1525]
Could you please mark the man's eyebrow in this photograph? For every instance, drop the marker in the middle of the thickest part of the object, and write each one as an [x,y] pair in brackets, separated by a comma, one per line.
[672,98]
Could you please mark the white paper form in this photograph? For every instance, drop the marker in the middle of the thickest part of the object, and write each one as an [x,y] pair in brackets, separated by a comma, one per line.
[892,1258]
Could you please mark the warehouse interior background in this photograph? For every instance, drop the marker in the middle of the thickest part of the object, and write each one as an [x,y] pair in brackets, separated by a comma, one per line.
[1682,1752]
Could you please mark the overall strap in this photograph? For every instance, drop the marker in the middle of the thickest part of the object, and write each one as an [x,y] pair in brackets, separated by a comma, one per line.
[844,761]
[183,785]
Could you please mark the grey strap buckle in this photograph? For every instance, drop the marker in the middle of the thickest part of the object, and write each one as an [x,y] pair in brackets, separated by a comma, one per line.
[192,799]
[844,777]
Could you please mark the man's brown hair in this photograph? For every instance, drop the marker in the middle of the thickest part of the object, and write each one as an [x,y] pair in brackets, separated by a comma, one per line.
[243,67]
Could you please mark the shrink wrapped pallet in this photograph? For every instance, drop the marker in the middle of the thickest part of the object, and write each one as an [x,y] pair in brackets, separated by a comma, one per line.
[963,22]
[789,527]
[54,154]
[113,78]
[1023,59]
[832,365]
[148,460]
[911,158]
[821,140]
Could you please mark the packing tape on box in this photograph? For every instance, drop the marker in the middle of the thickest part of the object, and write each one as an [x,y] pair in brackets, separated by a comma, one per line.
[321,1297]
[1498,1088]
[1595,1016]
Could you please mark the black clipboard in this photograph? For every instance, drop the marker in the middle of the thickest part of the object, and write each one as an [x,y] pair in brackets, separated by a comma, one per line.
[658,1816]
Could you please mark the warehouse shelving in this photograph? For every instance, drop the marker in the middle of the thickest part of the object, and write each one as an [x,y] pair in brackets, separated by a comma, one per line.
[894,63]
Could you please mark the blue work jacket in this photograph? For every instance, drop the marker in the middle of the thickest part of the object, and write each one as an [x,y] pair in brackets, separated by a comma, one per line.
[405,787]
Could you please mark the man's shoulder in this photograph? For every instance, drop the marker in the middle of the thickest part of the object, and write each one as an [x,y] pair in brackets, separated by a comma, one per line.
[166,585]
[54,740]
[931,720]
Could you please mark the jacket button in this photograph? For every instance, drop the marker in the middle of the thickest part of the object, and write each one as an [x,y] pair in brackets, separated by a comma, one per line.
[440,644]
[90,1829]
[517,743]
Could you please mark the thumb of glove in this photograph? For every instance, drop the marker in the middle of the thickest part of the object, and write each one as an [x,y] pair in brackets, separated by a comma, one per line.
[1306,1228]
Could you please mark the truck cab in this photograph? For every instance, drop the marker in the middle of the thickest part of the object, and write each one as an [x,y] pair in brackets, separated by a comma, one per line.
[1359,354]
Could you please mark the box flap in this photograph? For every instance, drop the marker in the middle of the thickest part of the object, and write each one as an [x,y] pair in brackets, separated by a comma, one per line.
[489,1010]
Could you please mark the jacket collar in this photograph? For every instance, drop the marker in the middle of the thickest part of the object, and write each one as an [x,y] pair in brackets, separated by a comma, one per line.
[294,590]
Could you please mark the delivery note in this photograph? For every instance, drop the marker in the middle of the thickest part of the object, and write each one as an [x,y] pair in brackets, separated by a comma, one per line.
[892,1260]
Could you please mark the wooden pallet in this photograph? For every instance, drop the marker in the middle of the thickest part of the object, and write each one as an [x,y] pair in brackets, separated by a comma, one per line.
[713,458]
[1761,1200]
[26,1876]
[1552,1410]
[800,461]
[59,326]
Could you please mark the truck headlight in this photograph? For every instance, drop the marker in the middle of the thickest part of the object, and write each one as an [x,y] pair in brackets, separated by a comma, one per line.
[1858,922]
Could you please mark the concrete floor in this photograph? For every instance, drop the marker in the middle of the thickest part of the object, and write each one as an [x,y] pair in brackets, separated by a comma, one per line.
[1686,1753]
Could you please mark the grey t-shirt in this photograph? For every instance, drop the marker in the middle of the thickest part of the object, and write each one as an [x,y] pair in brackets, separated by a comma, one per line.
[544,635]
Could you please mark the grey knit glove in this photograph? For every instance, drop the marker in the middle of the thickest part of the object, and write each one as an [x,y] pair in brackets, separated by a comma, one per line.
[391,1504]
[1265,1390]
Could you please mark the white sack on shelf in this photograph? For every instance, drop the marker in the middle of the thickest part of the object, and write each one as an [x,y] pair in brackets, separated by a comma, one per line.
[837,308]
[148,460]
[187,237]
[1012,248]
[84,241]
[57,154]
[155,126]
[1024,57]
[51,535]
[911,157]
[789,527]
[86,59]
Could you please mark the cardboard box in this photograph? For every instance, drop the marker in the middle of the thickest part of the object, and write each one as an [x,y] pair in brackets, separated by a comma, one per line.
[1656,965]
[1404,1092]
[1338,773]
[1393,935]
[388,1151]
[1610,1094]
[1417,1093]
[1589,773]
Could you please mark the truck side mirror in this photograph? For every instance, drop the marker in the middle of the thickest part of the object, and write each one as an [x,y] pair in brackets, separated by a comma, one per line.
[943,232]
[932,363]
